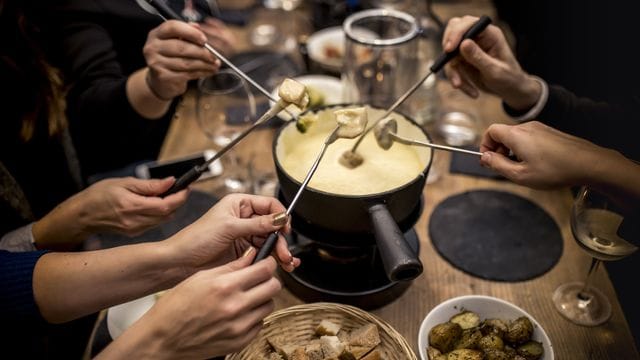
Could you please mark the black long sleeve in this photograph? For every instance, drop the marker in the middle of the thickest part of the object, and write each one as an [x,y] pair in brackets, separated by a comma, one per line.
[98,44]
[608,124]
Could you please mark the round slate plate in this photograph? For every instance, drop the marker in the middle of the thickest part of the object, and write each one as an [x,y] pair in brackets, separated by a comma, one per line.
[495,235]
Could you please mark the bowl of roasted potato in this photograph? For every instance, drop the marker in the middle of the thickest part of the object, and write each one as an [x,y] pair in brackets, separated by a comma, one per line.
[478,327]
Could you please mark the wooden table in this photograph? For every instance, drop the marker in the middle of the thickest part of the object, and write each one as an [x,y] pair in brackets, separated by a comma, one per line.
[440,280]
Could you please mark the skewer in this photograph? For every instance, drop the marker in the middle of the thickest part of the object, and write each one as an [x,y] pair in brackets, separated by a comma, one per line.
[166,13]
[353,159]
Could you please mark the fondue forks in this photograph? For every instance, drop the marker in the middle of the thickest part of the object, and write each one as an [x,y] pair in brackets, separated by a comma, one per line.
[268,245]
[166,13]
[192,175]
[355,159]
[386,133]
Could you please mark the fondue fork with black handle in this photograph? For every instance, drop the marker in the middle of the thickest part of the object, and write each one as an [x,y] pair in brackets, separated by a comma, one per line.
[351,156]
[268,245]
[166,13]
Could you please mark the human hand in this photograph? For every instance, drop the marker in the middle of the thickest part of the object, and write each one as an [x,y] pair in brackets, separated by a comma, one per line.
[228,229]
[219,36]
[546,158]
[487,63]
[214,312]
[175,53]
[126,206]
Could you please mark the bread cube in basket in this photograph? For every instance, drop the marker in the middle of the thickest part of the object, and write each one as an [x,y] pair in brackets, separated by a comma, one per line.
[298,324]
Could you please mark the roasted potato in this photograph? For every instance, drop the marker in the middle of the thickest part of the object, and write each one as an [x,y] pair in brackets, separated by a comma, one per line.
[444,336]
[519,331]
[469,339]
[491,341]
[465,354]
[495,354]
[531,350]
[466,319]
[433,353]
[494,326]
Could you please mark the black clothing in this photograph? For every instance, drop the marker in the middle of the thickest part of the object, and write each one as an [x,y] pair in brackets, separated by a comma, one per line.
[98,44]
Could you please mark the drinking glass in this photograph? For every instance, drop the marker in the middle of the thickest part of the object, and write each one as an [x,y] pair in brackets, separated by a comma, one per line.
[381,56]
[225,107]
[595,223]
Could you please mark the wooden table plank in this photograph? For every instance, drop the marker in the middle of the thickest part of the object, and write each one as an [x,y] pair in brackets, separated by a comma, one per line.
[440,280]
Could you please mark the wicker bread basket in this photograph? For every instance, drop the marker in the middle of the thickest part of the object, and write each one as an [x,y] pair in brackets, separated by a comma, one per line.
[298,323]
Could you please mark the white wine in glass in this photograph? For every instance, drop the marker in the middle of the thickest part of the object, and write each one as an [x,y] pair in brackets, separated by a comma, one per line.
[595,221]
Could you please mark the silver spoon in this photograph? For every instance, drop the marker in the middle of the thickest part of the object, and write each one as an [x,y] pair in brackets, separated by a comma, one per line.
[386,133]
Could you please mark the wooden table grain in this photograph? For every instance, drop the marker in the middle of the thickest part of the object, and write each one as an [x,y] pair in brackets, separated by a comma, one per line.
[440,280]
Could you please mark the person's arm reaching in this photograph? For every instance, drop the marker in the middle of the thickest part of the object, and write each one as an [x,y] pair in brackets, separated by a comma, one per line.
[126,206]
[69,285]
[548,158]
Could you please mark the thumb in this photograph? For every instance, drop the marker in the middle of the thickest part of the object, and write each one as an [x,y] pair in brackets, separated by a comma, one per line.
[499,163]
[235,265]
[258,225]
[475,56]
[151,187]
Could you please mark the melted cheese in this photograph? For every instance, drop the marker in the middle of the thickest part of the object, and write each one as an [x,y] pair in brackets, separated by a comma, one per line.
[382,170]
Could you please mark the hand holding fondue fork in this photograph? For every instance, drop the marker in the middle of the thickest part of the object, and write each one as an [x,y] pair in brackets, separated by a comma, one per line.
[351,123]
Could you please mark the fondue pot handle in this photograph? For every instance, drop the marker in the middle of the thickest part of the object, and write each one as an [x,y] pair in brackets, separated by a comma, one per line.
[399,260]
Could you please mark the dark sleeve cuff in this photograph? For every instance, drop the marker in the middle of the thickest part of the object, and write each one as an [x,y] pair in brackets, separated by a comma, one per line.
[17,302]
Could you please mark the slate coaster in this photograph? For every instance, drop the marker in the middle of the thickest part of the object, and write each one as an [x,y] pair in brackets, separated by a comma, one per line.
[197,204]
[470,165]
[495,235]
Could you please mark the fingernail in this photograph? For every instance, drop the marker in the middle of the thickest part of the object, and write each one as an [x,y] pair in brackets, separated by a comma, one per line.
[279,219]
[447,44]
[248,251]
[290,258]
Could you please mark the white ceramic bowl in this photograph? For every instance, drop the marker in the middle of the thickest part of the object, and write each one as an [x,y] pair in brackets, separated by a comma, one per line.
[324,42]
[120,317]
[486,307]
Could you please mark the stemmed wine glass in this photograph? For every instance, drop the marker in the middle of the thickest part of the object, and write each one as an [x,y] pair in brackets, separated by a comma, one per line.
[225,107]
[597,225]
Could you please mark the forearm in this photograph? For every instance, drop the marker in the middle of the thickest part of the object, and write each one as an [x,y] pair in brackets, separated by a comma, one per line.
[142,99]
[617,176]
[64,227]
[70,285]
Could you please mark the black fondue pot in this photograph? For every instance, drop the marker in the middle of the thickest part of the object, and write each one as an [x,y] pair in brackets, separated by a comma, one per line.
[373,214]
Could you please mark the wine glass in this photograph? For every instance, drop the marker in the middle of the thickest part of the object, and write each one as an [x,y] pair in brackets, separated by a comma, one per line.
[595,223]
[225,107]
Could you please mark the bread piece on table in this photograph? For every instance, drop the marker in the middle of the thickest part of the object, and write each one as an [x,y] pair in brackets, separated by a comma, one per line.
[327,327]
[281,346]
[362,340]
[332,347]
[274,356]
[299,354]
[343,335]
[314,350]
[374,355]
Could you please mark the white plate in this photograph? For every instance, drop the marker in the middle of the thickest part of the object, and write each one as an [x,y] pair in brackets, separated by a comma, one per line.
[329,86]
[120,317]
[486,307]
[325,42]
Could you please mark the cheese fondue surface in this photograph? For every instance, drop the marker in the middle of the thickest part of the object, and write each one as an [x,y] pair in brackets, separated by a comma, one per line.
[382,170]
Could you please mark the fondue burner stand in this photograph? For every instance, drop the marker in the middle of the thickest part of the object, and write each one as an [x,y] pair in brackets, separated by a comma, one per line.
[343,268]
